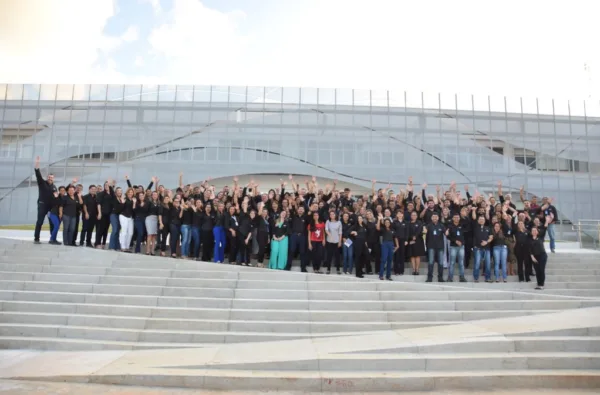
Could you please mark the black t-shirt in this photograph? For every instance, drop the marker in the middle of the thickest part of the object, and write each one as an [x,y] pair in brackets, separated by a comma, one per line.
[361,233]
[481,233]
[435,235]
[299,224]
[165,214]
[401,229]
[208,221]
[91,204]
[70,206]
[415,230]
[188,217]
[153,207]
[105,200]
[141,211]
[174,215]
[127,208]
[387,234]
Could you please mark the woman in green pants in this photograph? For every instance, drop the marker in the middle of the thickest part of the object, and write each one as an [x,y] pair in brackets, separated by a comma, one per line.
[279,243]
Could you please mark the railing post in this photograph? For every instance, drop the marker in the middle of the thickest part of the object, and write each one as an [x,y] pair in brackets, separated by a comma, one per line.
[579,234]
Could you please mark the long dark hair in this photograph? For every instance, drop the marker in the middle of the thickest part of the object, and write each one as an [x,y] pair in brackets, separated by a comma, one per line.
[313,223]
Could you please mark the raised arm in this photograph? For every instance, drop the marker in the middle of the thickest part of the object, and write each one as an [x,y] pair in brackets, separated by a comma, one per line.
[38,174]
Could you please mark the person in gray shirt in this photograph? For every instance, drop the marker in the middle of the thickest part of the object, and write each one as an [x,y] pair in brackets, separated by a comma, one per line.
[333,230]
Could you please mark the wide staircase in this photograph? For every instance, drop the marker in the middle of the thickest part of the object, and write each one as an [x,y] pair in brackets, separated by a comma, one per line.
[113,318]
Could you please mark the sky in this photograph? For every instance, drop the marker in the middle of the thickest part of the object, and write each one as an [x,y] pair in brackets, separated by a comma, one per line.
[525,48]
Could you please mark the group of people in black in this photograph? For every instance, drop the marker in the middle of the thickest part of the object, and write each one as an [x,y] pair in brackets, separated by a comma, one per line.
[359,234]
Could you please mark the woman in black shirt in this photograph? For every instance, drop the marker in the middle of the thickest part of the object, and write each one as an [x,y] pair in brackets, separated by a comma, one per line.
[358,233]
[175,218]
[206,236]
[389,245]
[71,203]
[164,221]
[262,235]
[522,252]
[416,245]
[54,216]
[126,220]
[140,212]
[198,211]
[538,257]
[152,223]
[186,227]
[243,236]
[115,225]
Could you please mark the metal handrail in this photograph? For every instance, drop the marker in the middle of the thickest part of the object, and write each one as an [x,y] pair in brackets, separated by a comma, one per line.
[590,227]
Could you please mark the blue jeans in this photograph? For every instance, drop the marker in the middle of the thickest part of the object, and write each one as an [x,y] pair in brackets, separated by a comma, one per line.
[55,221]
[115,227]
[457,254]
[435,254]
[500,257]
[552,235]
[348,257]
[68,229]
[219,252]
[186,236]
[196,239]
[478,255]
[140,226]
[387,257]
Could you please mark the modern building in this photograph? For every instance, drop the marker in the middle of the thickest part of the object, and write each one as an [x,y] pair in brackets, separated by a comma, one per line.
[94,132]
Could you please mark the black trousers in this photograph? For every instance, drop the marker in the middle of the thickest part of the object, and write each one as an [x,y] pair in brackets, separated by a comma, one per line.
[102,226]
[164,233]
[375,253]
[468,248]
[244,251]
[400,258]
[208,243]
[524,269]
[316,254]
[232,243]
[42,212]
[76,232]
[540,269]
[361,256]
[262,238]
[333,253]
[87,229]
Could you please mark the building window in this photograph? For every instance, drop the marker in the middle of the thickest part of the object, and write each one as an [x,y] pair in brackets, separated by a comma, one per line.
[525,157]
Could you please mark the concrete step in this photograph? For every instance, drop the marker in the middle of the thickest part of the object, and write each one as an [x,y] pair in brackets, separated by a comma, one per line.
[251,315]
[151,286]
[390,362]
[179,297]
[352,381]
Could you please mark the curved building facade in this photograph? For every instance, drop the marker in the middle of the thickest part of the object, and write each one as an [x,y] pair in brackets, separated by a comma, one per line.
[94,132]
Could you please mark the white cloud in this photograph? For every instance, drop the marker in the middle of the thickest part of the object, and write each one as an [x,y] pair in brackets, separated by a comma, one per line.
[139,61]
[197,40]
[154,3]
[131,34]
[42,41]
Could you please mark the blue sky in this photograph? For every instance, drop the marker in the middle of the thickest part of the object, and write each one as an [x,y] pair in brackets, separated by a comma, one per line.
[515,48]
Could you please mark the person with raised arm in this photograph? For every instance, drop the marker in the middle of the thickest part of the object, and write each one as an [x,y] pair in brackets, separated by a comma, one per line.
[46,190]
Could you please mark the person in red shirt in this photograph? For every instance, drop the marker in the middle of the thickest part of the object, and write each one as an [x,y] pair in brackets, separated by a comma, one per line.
[316,241]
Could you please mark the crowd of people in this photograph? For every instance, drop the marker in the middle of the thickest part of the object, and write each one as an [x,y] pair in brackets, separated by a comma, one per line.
[321,226]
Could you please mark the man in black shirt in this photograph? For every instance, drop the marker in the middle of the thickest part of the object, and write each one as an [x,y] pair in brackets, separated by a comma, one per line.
[550,211]
[455,233]
[298,238]
[427,213]
[435,247]
[482,237]
[46,189]
[90,216]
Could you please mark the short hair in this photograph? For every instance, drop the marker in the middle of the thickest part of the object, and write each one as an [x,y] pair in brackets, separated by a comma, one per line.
[92,186]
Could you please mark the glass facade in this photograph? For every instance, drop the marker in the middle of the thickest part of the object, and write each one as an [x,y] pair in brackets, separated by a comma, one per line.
[94,132]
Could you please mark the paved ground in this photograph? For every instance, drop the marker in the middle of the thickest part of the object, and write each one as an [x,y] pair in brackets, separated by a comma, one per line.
[42,388]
